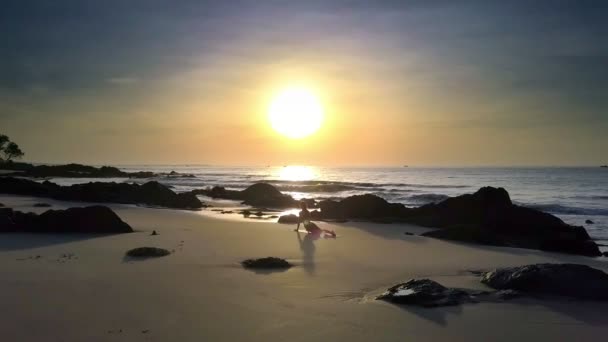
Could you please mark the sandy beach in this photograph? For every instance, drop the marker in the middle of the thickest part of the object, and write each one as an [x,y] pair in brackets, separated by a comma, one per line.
[82,288]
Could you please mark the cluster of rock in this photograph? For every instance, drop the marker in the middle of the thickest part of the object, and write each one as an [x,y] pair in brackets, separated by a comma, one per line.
[257,195]
[569,280]
[94,219]
[150,193]
[80,171]
[487,217]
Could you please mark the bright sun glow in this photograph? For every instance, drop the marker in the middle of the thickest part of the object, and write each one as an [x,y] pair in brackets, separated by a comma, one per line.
[296,113]
[296,173]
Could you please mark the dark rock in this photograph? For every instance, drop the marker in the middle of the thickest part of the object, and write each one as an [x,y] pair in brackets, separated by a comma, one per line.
[7,223]
[257,195]
[505,294]
[42,205]
[289,219]
[246,213]
[425,292]
[94,219]
[589,222]
[150,193]
[264,194]
[605,254]
[489,217]
[408,233]
[1,205]
[142,174]
[572,280]
[361,207]
[147,252]
[266,263]
[259,213]
[273,217]
[154,232]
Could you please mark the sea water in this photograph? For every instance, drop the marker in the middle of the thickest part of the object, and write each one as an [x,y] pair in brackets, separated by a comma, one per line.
[573,194]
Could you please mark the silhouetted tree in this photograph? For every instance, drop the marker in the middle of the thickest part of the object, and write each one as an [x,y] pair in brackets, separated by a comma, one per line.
[3,141]
[10,149]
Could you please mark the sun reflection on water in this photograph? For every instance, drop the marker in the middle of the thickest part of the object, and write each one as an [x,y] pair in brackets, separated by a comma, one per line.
[297,173]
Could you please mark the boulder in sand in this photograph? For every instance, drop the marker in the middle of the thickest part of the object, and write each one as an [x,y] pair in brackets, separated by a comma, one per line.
[147,252]
[94,219]
[571,280]
[266,263]
[425,292]
[289,219]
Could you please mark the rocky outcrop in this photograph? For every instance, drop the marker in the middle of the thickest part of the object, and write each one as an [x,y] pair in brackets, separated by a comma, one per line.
[258,195]
[81,171]
[94,219]
[361,207]
[489,217]
[150,193]
[266,263]
[572,280]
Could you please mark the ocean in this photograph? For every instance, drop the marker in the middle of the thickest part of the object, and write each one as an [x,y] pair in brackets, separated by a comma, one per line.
[573,194]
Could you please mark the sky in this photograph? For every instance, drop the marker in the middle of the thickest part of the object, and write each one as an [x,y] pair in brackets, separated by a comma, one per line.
[421,83]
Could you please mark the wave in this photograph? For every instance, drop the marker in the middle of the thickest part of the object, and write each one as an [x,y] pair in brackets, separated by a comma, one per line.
[426,198]
[555,208]
[604,197]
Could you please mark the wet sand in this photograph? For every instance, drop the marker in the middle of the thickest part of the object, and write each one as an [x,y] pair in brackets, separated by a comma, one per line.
[82,288]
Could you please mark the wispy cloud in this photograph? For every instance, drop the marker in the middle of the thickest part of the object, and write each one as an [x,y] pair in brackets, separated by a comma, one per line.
[122,80]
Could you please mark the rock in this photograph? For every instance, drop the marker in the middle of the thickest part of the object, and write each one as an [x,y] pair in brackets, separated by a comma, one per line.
[72,171]
[589,222]
[289,219]
[147,252]
[7,224]
[259,214]
[257,195]
[150,193]
[246,213]
[264,194]
[94,219]
[605,254]
[154,233]
[572,280]
[408,233]
[489,217]
[361,207]
[425,292]
[266,263]
[1,205]
[42,205]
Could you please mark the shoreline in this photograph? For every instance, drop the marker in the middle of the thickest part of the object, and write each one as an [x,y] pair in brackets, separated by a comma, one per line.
[200,291]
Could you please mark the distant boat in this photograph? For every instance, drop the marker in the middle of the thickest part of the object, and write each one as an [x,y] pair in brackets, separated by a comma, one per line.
[604,166]
[405,166]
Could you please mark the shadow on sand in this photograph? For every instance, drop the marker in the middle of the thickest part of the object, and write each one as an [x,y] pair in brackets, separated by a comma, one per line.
[19,241]
[307,246]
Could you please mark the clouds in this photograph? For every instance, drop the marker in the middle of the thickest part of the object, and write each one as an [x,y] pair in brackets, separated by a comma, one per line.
[485,63]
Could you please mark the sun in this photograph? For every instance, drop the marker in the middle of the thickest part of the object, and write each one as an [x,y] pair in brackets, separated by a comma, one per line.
[295,112]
